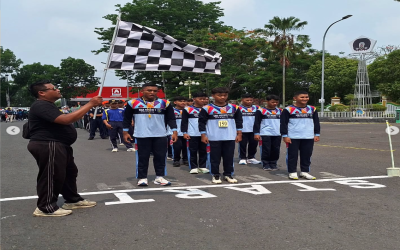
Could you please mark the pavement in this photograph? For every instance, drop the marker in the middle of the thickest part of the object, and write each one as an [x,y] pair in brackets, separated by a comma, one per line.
[352,204]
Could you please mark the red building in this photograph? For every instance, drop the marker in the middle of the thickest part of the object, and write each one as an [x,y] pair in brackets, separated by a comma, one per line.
[117,93]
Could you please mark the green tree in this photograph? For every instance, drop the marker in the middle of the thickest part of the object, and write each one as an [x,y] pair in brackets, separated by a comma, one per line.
[169,16]
[284,43]
[385,71]
[176,18]
[9,64]
[340,76]
[76,78]
[29,74]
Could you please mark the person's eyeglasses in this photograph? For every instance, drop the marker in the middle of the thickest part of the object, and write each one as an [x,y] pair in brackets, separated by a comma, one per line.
[54,88]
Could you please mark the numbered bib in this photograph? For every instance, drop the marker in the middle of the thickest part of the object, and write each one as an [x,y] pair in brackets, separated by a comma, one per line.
[223,124]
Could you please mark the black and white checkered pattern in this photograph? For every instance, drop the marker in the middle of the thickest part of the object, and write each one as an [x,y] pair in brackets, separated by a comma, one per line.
[138,47]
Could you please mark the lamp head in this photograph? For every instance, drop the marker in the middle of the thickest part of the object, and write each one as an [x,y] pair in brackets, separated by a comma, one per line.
[345,17]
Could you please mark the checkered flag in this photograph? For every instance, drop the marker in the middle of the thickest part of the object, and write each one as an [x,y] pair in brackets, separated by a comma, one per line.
[137,47]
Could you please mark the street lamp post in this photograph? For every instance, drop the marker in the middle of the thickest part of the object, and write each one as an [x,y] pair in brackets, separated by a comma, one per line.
[189,83]
[322,100]
[8,92]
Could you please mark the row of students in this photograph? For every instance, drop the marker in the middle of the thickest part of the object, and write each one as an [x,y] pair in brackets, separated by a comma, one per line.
[214,129]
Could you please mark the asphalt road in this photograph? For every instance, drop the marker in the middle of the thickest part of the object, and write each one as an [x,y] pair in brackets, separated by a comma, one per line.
[352,205]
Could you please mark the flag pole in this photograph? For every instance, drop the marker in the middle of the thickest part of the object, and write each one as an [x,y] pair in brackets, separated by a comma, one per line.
[103,79]
[393,171]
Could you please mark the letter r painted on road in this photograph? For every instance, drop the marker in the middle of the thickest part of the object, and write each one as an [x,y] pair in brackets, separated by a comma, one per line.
[191,193]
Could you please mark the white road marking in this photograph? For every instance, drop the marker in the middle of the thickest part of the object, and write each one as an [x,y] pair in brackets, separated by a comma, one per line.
[210,186]
[124,198]
[5,217]
[308,188]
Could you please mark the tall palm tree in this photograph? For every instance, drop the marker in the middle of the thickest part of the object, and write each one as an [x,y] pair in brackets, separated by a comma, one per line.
[284,43]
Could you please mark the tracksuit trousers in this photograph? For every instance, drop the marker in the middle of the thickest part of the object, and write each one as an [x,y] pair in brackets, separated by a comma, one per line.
[305,146]
[248,146]
[270,150]
[197,147]
[117,129]
[224,150]
[156,145]
[57,174]
[180,147]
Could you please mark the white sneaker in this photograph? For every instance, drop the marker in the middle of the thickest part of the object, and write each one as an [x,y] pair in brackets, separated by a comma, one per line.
[131,150]
[253,161]
[216,179]
[121,144]
[230,179]
[204,170]
[194,171]
[161,181]
[143,182]
[307,176]
[114,150]
[293,176]
[80,204]
[242,162]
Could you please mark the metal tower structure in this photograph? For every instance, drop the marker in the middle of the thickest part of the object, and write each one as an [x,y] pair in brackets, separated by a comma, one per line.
[362,50]
[362,91]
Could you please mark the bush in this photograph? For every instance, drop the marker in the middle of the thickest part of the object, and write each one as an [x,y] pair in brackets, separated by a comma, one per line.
[378,107]
[339,108]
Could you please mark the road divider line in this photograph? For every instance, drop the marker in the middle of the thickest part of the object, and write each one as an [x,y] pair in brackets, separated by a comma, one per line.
[205,186]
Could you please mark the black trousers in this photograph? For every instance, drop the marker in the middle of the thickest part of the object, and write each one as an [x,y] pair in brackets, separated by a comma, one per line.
[270,149]
[117,130]
[305,146]
[57,174]
[224,150]
[97,123]
[156,145]
[197,147]
[248,146]
[180,147]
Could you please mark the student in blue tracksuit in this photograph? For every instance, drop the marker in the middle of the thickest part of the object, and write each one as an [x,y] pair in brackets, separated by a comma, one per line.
[248,146]
[180,146]
[300,128]
[267,130]
[220,125]
[190,130]
[113,119]
[152,115]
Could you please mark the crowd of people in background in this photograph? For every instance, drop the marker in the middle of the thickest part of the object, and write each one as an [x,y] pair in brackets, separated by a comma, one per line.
[13,114]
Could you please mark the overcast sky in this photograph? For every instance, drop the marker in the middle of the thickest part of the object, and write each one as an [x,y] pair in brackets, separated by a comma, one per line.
[47,31]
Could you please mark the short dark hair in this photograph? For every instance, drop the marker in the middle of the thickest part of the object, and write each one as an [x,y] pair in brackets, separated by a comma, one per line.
[247,96]
[300,92]
[190,100]
[38,86]
[179,98]
[199,94]
[272,97]
[220,90]
[149,85]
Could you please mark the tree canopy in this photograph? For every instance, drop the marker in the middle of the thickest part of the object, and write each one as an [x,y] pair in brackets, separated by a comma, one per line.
[385,72]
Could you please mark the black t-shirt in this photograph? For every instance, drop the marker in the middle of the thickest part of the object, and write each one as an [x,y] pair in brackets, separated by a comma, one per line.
[42,127]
